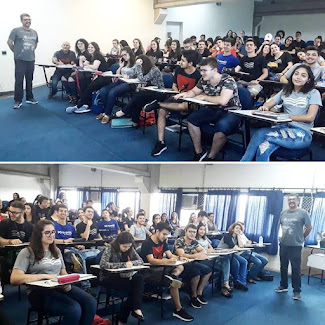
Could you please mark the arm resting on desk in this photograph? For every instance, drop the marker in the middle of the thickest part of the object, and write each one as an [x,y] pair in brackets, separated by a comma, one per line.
[221,100]
[20,277]
[189,94]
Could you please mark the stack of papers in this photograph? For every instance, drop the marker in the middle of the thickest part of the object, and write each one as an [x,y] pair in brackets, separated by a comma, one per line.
[272,115]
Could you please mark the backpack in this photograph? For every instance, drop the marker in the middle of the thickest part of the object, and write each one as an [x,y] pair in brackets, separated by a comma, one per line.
[97,105]
[101,321]
[150,118]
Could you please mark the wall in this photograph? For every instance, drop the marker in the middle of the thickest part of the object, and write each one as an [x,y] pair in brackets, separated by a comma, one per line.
[310,25]
[58,21]
[213,20]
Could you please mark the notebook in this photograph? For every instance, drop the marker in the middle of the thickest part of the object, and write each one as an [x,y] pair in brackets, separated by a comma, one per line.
[272,115]
[118,123]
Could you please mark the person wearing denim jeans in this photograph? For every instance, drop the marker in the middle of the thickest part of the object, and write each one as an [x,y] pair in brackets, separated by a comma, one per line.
[258,262]
[301,102]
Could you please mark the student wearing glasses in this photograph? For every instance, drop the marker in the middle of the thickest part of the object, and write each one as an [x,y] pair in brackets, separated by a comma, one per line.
[117,88]
[42,260]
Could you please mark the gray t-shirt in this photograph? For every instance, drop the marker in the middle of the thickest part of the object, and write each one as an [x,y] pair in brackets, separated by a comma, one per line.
[139,232]
[292,223]
[25,261]
[317,71]
[298,104]
[25,41]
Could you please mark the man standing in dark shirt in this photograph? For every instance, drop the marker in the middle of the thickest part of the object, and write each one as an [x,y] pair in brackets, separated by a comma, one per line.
[23,42]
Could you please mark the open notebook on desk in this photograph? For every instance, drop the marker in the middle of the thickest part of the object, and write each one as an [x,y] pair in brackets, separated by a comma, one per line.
[199,101]
[128,269]
[161,90]
[272,115]
[65,66]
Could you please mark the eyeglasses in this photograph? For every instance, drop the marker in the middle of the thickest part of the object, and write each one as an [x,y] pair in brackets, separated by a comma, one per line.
[14,213]
[49,233]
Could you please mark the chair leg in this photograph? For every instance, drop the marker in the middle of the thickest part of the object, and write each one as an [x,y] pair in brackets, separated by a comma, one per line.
[180,135]
[144,122]
[28,316]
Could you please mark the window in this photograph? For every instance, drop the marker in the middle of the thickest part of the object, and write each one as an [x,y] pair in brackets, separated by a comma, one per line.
[72,198]
[129,199]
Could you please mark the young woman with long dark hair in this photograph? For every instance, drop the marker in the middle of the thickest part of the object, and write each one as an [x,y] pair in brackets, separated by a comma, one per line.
[155,53]
[137,47]
[30,212]
[301,102]
[42,260]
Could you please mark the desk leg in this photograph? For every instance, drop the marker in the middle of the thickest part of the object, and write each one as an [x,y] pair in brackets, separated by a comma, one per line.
[47,82]
[247,132]
[308,275]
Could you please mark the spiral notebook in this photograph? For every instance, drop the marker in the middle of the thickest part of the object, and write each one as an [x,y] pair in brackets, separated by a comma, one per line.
[118,123]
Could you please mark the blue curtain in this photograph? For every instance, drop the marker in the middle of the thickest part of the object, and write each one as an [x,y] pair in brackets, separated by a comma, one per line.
[262,217]
[80,197]
[108,196]
[167,203]
[224,206]
[317,218]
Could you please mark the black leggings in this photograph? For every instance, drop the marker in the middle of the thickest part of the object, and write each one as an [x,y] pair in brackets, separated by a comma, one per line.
[134,288]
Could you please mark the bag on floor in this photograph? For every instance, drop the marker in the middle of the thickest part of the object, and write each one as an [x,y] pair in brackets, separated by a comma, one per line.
[101,321]
[97,105]
[150,118]
[266,276]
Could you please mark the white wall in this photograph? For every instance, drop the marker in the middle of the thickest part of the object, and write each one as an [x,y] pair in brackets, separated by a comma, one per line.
[27,187]
[310,25]
[213,20]
[61,20]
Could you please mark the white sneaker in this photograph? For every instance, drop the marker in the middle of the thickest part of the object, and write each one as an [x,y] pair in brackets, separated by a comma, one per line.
[2,296]
[71,109]
[82,109]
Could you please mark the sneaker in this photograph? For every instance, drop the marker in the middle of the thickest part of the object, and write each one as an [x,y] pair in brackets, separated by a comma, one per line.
[183,315]
[208,159]
[31,101]
[51,95]
[71,109]
[241,286]
[200,156]
[17,105]
[82,109]
[201,300]
[158,149]
[296,296]
[174,282]
[195,303]
[151,106]
[2,297]
[281,289]
[77,266]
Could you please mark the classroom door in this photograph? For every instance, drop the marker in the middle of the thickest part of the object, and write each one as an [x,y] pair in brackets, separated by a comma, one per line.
[175,30]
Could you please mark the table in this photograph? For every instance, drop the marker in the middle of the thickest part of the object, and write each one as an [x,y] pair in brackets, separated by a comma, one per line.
[160,90]
[133,81]
[16,246]
[248,114]
[319,130]
[50,284]
[46,66]
[316,260]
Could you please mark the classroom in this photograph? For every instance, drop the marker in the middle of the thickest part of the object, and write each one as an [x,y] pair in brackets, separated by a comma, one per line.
[195,203]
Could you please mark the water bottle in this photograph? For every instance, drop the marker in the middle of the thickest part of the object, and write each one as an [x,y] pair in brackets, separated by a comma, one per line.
[322,77]
[260,241]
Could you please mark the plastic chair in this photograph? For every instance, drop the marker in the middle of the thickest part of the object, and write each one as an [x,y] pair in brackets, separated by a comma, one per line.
[114,67]
[41,316]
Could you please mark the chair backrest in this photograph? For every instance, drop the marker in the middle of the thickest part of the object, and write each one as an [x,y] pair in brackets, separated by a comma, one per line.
[114,67]
[168,80]
[309,43]
[245,98]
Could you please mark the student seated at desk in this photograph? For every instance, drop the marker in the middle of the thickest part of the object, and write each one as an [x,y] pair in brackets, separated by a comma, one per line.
[137,47]
[65,234]
[108,227]
[80,218]
[226,59]
[138,230]
[189,247]
[301,102]
[127,219]
[153,250]
[258,261]
[221,90]
[13,231]
[222,263]
[117,88]
[64,56]
[185,77]
[42,260]
[97,63]
[174,221]
[30,213]
[116,49]
[164,218]
[238,266]
[175,52]
[156,218]
[150,74]
[202,49]
[121,254]
[155,53]
[212,227]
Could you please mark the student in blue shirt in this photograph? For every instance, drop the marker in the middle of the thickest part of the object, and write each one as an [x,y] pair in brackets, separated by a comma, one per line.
[226,59]
[108,227]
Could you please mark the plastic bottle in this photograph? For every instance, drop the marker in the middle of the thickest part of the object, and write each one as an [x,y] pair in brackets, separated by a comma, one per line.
[322,77]
[260,241]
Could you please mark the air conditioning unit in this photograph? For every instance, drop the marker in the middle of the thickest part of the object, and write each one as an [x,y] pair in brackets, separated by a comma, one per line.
[95,196]
[190,201]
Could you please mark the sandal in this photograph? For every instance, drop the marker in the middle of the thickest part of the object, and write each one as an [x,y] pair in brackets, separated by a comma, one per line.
[100,116]
[226,293]
[105,119]
[251,281]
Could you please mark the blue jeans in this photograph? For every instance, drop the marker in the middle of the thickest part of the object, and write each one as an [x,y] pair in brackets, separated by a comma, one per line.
[222,264]
[76,306]
[109,94]
[58,74]
[238,268]
[258,261]
[266,140]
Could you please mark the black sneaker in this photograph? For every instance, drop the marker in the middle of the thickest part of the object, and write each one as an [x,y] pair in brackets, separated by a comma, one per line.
[183,315]
[158,149]
[208,159]
[151,106]
[201,300]
[174,282]
[17,105]
[241,286]
[200,156]
[195,303]
[31,101]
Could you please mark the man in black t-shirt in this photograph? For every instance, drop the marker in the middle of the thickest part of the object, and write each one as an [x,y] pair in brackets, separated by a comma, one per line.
[153,250]
[255,66]
[89,203]
[185,78]
[298,43]
[88,228]
[60,58]
[13,231]
[42,209]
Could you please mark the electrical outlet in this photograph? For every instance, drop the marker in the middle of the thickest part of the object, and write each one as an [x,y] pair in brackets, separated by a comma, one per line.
[4,52]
